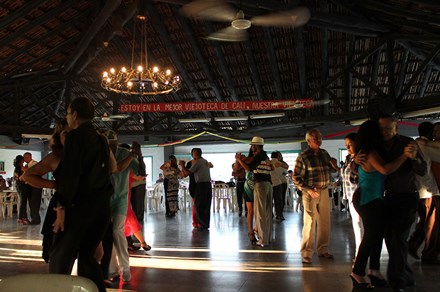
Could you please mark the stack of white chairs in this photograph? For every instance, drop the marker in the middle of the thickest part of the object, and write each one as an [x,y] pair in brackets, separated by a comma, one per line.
[221,193]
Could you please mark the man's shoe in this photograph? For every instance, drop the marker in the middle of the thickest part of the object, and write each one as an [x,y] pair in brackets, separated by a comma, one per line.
[326,255]
[306,260]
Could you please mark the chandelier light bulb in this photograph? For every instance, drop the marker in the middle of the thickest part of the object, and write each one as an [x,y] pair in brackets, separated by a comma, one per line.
[129,84]
[140,69]
[123,70]
[112,70]
[168,72]
[105,74]
[155,69]
[108,79]
[155,84]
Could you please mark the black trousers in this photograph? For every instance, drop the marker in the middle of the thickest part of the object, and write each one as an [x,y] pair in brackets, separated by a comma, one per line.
[373,216]
[84,229]
[34,204]
[400,215]
[165,189]
[240,190]
[203,198]
[278,200]
[283,192]
[107,246]
[137,202]
[24,191]
[418,236]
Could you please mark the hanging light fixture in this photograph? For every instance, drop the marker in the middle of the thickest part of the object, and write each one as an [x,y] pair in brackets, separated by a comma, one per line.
[141,80]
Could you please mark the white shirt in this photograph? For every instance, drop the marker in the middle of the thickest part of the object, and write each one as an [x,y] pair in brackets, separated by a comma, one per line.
[427,184]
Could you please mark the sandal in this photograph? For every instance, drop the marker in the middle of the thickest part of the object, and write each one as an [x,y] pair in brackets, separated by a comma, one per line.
[145,246]
[252,238]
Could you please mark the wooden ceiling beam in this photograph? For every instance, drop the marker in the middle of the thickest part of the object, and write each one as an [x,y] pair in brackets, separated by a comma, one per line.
[253,69]
[349,66]
[399,11]
[420,54]
[189,33]
[124,15]
[390,68]
[374,72]
[424,84]
[273,63]
[420,69]
[88,36]
[348,88]
[402,72]
[165,37]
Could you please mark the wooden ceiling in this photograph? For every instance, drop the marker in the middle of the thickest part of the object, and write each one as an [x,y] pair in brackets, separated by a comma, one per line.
[367,57]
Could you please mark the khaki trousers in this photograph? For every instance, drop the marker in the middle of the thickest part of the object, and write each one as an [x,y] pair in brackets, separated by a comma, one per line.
[316,216]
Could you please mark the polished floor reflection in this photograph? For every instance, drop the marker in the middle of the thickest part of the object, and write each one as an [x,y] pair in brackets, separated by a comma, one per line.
[221,259]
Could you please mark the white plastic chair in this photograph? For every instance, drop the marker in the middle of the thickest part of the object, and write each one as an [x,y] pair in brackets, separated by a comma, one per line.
[45,198]
[222,194]
[7,202]
[156,196]
[47,282]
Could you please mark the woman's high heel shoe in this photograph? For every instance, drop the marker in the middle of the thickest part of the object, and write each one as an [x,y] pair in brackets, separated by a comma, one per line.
[252,238]
[363,285]
[378,282]
[145,246]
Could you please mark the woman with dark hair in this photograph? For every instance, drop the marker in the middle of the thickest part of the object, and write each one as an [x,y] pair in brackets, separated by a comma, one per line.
[349,187]
[33,177]
[22,189]
[171,172]
[368,201]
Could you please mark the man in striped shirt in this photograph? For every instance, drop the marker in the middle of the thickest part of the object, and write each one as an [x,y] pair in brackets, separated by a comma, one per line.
[312,176]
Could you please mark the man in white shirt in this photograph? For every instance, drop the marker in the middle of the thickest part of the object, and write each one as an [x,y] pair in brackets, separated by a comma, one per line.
[428,193]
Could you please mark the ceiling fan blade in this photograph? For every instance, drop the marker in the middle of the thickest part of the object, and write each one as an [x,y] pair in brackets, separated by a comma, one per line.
[229,34]
[120,116]
[214,10]
[292,18]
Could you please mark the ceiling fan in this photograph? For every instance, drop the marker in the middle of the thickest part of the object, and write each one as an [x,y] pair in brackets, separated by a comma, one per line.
[111,118]
[218,10]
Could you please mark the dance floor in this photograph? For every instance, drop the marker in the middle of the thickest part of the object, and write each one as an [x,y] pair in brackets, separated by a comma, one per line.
[221,259]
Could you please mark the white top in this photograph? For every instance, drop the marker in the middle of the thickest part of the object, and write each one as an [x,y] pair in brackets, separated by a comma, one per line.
[277,173]
[427,184]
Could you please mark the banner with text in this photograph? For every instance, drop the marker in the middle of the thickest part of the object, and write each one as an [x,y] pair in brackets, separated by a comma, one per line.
[217,106]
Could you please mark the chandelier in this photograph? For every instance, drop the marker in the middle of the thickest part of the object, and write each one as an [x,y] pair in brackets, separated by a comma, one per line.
[141,80]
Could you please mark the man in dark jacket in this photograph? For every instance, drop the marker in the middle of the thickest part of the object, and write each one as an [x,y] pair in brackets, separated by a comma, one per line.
[84,190]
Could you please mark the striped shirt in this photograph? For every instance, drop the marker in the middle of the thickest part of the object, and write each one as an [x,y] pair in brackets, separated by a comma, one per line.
[349,187]
[312,170]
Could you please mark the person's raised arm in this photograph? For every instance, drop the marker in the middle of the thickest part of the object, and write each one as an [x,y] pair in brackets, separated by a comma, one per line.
[385,168]
[240,160]
[33,175]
